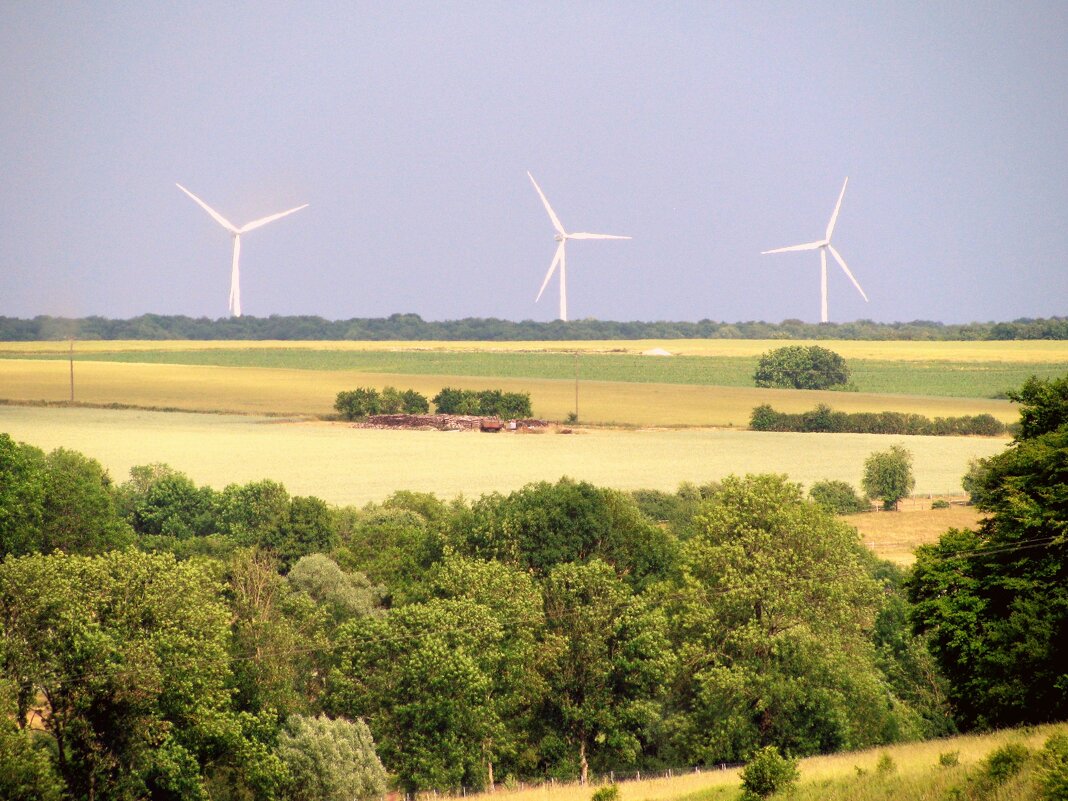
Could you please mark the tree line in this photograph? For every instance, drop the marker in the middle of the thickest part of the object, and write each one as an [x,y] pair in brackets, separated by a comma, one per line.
[824,419]
[413,327]
[168,640]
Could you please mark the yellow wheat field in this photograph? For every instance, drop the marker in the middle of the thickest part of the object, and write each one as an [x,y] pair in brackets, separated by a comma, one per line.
[346,465]
[255,390]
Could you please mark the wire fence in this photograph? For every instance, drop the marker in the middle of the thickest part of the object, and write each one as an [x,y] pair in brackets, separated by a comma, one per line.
[550,784]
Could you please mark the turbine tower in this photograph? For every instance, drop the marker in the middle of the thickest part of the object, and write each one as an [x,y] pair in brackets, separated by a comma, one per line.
[560,258]
[823,246]
[235,232]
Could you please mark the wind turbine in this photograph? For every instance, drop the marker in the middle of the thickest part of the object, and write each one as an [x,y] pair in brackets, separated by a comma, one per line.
[560,258]
[235,273]
[823,246]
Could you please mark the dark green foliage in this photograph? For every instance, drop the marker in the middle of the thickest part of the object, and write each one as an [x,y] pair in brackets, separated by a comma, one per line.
[408,327]
[158,500]
[949,759]
[768,772]
[1043,406]
[837,497]
[330,760]
[801,367]
[823,419]
[995,601]
[543,525]
[940,503]
[888,475]
[486,402]
[79,513]
[413,402]
[356,404]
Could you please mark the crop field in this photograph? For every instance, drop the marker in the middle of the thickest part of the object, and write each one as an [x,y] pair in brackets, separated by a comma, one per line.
[345,465]
[894,536]
[288,391]
[963,370]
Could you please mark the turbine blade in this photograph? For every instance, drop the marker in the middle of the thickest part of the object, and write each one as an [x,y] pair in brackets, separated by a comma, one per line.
[837,206]
[263,221]
[552,215]
[842,264]
[556,260]
[225,223]
[595,236]
[806,246]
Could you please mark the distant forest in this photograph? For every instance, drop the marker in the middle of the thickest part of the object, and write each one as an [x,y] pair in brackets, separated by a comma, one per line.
[414,327]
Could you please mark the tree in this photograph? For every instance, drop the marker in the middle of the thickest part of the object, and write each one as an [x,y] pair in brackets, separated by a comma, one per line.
[331,760]
[420,676]
[767,773]
[994,601]
[21,497]
[159,500]
[837,497]
[888,475]
[543,525]
[1043,406]
[771,622]
[358,403]
[606,688]
[801,367]
[79,514]
[346,595]
[122,659]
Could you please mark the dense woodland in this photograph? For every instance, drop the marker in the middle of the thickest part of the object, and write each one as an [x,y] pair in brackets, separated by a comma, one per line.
[413,327]
[168,640]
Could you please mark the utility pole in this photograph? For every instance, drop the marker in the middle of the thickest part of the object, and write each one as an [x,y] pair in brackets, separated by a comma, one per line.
[576,384]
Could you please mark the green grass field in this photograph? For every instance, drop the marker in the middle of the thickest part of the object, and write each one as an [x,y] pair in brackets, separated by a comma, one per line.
[345,465]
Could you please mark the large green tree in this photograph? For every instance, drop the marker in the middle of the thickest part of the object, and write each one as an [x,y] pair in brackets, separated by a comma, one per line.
[122,659]
[420,677]
[995,600]
[21,497]
[801,367]
[606,687]
[888,475]
[772,621]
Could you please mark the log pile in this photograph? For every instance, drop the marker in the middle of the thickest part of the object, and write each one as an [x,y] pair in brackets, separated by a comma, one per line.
[439,422]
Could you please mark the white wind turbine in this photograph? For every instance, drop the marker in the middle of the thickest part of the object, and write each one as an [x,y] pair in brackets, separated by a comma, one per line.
[235,273]
[560,258]
[823,246]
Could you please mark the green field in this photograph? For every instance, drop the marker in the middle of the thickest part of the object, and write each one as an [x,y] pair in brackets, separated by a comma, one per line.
[345,465]
[936,376]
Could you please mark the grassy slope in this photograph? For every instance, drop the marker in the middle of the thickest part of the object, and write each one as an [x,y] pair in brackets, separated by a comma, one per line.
[917,775]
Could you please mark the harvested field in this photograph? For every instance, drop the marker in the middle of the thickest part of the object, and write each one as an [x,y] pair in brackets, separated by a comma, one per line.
[894,536]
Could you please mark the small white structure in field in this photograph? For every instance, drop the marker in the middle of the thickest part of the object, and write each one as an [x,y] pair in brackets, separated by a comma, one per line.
[657,352]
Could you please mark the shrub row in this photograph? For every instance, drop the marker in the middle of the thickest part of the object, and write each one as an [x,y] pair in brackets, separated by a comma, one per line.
[363,401]
[486,402]
[824,419]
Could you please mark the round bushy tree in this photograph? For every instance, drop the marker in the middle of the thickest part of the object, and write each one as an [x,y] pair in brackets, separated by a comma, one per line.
[331,760]
[888,475]
[767,773]
[837,497]
[801,367]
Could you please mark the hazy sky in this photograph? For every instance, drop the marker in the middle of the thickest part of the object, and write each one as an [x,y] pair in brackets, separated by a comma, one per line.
[707,131]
